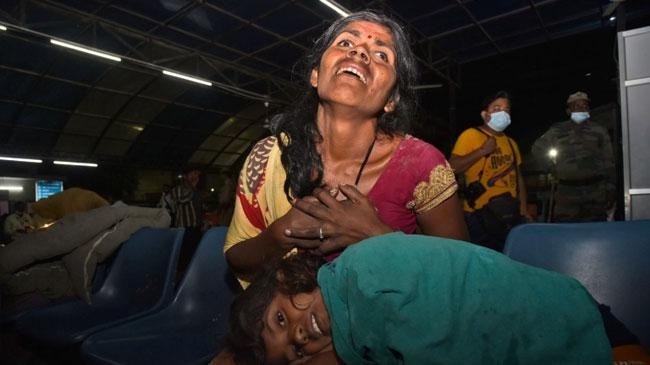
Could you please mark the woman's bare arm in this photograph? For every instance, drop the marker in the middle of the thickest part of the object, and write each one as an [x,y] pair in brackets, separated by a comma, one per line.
[445,220]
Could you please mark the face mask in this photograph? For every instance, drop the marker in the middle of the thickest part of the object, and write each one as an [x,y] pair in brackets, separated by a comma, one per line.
[499,121]
[579,117]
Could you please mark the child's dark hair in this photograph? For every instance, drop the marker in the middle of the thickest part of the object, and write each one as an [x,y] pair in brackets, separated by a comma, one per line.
[290,276]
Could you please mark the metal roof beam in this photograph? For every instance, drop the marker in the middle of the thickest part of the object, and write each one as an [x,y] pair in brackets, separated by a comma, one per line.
[115,91]
[487,20]
[565,20]
[539,19]
[477,24]
[168,43]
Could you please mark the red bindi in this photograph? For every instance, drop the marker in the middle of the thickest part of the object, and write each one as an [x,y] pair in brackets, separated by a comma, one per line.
[369,36]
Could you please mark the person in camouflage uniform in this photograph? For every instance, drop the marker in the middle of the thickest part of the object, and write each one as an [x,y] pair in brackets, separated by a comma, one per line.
[584,165]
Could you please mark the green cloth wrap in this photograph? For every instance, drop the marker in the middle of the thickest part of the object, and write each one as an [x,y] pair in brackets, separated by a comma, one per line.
[411,299]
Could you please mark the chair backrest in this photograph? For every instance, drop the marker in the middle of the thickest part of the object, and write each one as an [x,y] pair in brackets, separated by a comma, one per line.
[142,273]
[611,259]
[208,287]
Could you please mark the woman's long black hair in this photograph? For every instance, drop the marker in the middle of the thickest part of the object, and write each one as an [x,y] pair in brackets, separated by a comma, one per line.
[296,129]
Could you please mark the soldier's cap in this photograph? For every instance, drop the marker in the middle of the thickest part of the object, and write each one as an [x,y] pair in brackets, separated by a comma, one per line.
[578,95]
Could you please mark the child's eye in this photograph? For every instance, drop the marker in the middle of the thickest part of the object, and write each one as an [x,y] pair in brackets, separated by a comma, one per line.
[300,352]
[280,318]
[345,43]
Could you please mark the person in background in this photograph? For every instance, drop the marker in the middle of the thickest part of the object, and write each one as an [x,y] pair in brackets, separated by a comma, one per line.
[340,166]
[166,201]
[188,213]
[488,161]
[18,222]
[583,165]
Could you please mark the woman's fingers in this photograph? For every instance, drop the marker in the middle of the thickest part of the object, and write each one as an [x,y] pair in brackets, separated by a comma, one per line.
[329,246]
[308,233]
[325,197]
[314,209]
[351,192]
[306,243]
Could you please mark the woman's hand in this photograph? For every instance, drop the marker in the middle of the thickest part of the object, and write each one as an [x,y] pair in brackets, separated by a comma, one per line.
[247,257]
[295,218]
[342,223]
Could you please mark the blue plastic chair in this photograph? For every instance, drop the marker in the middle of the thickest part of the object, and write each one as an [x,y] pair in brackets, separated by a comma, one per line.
[611,259]
[140,281]
[186,332]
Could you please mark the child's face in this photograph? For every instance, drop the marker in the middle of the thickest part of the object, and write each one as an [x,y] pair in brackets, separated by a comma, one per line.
[296,327]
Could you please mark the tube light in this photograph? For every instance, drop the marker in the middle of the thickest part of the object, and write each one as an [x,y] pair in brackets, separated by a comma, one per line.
[72,163]
[17,159]
[188,78]
[86,50]
[2,27]
[11,187]
[336,7]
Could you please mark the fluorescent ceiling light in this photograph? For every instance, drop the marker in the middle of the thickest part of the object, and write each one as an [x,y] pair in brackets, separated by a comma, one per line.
[2,27]
[72,163]
[17,159]
[188,78]
[11,187]
[86,50]
[336,7]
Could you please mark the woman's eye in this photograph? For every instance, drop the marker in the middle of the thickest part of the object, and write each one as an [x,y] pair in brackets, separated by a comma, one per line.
[280,318]
[382,56]
[345,43]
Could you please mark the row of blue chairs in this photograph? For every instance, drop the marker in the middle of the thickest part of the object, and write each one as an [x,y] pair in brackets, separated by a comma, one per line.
[136,315]
[611,259]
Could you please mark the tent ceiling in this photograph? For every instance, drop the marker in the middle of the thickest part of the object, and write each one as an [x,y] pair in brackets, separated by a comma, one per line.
[58,103]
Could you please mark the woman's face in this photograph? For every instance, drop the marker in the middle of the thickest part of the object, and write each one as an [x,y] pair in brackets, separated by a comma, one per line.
[358,68]
[296,328]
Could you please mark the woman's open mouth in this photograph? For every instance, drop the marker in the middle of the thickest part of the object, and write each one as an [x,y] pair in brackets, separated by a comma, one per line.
[353,71]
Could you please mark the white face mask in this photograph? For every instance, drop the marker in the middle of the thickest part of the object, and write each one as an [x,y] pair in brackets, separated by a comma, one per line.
[499,121]
[579,117]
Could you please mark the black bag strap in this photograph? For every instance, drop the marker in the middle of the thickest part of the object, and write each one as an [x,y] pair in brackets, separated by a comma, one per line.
[485,158]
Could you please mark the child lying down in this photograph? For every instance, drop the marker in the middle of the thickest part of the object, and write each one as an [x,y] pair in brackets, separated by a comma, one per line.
[409,299]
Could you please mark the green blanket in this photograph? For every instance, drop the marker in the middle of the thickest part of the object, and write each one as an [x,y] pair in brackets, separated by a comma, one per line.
[409,299]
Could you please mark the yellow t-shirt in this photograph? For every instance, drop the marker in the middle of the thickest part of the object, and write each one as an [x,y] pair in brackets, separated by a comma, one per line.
[495,176]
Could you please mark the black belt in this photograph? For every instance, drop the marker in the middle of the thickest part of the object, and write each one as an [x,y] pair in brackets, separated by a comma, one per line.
[582,182]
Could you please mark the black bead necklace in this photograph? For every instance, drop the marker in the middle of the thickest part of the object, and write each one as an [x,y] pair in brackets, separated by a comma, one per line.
[365,160]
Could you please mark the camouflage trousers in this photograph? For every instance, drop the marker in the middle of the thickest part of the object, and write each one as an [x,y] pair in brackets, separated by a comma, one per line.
[586,203]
